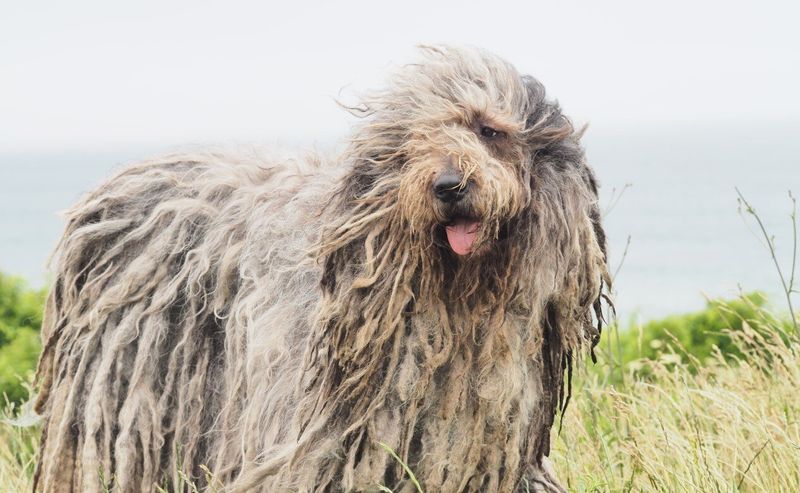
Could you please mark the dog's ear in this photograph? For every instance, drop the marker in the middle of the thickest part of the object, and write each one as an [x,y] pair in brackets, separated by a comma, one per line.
[545,125]
[557,157]
[554,140]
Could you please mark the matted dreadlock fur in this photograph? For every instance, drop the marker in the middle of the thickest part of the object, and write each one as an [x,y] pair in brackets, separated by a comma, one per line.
[276,320]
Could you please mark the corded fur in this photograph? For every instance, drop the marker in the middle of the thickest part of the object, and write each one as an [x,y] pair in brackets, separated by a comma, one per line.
[275,319]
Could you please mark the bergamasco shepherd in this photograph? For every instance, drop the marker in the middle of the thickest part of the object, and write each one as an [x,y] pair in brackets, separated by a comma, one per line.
[256,323]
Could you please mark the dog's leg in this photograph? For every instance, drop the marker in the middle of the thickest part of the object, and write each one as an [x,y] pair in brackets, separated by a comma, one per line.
[542,479]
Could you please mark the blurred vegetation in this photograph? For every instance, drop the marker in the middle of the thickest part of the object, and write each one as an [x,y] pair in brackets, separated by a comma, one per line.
[21,311]
[696,338]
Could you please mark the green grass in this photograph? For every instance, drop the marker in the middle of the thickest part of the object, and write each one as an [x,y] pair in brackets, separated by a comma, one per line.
[727,422]
[19,440]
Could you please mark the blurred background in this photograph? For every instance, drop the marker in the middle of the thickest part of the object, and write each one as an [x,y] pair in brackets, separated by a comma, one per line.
[684,101]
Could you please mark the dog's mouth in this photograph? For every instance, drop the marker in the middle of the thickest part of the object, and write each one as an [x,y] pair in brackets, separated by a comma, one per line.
[461,234]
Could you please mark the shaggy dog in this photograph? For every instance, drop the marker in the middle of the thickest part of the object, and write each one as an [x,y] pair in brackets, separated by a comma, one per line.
[282,322]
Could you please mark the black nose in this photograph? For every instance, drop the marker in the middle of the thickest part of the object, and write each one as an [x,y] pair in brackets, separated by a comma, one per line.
[447,187]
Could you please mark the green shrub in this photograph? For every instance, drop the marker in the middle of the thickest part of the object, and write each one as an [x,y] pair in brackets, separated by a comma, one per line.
[696,332]
[694,339]
[21,311]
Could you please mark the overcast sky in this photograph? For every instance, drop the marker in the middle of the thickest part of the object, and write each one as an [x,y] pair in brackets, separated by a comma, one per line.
[88,74]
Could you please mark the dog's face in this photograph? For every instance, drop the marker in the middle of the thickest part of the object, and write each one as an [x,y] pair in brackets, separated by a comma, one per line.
[454,138]
[466,169]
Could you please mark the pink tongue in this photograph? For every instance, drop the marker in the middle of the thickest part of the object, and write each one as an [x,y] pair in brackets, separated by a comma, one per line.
[461,235]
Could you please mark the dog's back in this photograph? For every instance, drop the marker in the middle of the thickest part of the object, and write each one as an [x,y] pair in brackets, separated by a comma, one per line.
[150,273]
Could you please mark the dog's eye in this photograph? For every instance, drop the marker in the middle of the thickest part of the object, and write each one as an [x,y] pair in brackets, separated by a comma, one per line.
[490,133]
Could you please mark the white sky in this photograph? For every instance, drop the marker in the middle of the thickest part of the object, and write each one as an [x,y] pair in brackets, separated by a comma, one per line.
[85,74]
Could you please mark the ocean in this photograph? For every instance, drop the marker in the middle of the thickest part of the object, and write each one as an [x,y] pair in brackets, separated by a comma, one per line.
[668,191]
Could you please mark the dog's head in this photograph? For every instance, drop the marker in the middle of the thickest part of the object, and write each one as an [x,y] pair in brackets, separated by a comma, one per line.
[455,141]
[462,165]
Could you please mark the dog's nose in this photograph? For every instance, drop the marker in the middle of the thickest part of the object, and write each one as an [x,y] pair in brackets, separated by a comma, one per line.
[448,188]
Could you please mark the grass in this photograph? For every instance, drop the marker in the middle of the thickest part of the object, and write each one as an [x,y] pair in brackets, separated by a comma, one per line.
[19,440]
[678,424]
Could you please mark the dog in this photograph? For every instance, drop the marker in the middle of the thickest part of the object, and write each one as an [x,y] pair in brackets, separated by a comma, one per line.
[251,322]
